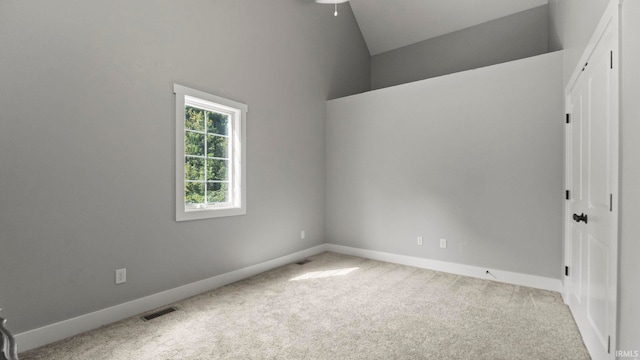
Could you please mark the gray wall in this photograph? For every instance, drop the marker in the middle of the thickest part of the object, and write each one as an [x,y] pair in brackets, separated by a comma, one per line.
[473,157]
[556,26]
[510,38]
[87,141]
[574,22]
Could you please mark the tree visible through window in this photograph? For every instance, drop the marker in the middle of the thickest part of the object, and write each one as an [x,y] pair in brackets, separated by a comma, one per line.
[210,155]
[206,157]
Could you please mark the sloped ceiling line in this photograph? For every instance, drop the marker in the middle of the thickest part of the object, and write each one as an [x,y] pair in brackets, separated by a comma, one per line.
[390,24]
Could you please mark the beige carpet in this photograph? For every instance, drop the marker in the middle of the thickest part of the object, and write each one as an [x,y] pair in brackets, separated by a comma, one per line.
[343,307]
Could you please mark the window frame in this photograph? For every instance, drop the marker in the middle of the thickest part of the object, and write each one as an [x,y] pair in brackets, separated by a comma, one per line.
[237,113]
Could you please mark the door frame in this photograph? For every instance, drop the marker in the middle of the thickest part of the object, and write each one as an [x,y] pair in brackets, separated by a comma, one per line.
[611,16]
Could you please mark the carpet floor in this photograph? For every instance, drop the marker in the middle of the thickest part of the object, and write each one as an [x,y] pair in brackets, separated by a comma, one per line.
[343,307]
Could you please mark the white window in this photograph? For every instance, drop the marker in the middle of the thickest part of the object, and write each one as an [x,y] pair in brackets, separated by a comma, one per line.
[210,155]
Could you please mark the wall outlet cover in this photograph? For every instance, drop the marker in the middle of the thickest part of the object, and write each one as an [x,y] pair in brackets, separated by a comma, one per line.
[121,276]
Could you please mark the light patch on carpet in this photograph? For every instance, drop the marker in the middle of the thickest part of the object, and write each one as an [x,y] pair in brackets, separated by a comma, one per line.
[324,274]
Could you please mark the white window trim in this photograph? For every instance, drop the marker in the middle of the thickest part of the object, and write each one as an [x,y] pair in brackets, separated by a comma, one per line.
[238,114]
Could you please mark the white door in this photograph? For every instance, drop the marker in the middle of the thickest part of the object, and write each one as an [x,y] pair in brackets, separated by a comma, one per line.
[591,212]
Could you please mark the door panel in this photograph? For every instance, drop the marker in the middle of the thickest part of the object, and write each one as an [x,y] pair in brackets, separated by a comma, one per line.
[576,156]
[592,155]
[598,274]
[599,132]
[576,152]
[576,265]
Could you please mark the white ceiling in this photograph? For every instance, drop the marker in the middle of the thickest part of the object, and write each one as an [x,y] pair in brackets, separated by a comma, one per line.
[390,24]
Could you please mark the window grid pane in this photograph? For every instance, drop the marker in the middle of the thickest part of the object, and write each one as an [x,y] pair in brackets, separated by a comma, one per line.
[217,123]
[194,143]
[206,157]
[194,118]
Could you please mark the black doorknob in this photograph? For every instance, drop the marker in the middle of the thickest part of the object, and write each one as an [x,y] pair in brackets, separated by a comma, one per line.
[581,217]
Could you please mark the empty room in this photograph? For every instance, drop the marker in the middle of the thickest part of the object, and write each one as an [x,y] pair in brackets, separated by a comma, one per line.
[319,179]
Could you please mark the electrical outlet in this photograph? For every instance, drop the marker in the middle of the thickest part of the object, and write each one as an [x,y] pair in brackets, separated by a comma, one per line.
[443,243]
[420,240]
[302,234]
[121,276]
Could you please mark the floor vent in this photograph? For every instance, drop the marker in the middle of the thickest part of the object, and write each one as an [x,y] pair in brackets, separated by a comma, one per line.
[158,313]
[303,262]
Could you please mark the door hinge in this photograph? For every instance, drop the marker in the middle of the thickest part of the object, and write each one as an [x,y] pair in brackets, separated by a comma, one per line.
[568,116]
[611,58]
[566,271]
[585,66]
[609,345]
[611,202]
[567,195]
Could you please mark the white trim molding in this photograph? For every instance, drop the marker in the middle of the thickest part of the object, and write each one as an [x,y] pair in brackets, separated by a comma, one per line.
[508,277]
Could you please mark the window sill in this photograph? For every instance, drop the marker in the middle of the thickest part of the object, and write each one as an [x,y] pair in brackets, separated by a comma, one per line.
[207,213]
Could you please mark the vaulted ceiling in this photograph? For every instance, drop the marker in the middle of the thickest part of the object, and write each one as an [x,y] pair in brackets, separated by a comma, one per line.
[391,24]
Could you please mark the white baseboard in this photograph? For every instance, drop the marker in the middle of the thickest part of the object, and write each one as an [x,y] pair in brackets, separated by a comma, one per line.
[533,281]
[47,334]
